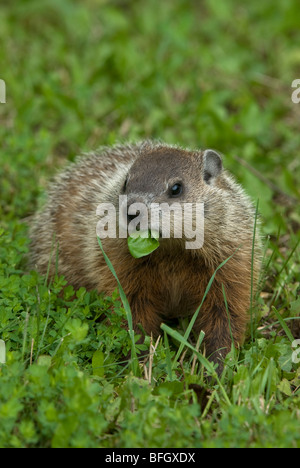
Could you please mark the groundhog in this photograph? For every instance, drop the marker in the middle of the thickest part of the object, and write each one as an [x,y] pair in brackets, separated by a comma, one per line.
[170,282]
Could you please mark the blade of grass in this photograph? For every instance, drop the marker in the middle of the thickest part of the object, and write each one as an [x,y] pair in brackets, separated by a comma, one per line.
[194,317]
[168,356]
[127,310]
[287,319]
[45,327]
[205,362]
[252,274]
[25,334]
[288,258]
[208,405]
[228,316]
[177,336]
[283,324]
[50,260]
[277,291]
[267,266]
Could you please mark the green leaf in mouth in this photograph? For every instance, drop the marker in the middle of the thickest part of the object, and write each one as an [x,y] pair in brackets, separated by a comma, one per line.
[142,244]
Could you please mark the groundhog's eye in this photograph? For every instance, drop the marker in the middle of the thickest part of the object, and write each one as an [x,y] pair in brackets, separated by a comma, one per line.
[176,190]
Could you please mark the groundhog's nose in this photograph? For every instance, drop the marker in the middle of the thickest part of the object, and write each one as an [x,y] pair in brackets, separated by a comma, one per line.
[130,217]
[135,208]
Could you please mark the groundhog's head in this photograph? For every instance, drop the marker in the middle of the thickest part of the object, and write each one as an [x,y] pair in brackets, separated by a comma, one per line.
[168,181]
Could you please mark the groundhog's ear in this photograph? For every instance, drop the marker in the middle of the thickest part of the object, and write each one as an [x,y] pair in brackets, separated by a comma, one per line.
[212,165]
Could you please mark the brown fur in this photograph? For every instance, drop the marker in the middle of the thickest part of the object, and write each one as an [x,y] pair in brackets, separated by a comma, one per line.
[170,282]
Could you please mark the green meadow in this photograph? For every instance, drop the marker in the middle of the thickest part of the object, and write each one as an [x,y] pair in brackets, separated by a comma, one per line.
[81,74]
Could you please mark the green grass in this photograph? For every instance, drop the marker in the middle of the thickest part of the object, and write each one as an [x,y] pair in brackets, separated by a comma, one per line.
[201,74]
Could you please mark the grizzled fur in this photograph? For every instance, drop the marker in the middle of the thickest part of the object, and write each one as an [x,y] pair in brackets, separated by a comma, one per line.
[170,282]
